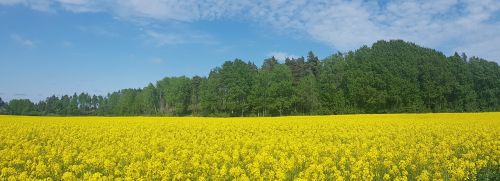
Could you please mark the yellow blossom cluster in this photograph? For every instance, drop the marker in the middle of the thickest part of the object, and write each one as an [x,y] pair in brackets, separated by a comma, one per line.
[347,147]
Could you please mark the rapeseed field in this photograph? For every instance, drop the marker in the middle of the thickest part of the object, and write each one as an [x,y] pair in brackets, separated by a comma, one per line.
[347,147]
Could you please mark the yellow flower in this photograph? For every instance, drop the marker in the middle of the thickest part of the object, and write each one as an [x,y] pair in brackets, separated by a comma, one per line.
[357,147]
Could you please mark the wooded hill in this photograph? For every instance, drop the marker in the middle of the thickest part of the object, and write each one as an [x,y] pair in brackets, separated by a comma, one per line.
[388,77]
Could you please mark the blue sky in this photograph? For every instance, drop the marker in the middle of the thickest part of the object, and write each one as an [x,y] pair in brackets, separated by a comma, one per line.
[98,46]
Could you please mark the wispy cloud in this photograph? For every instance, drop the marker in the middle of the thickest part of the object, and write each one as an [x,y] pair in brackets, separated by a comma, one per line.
[156,61]
[161,38]
[97,30]
[23,41]
[342,24]
[164,38]
[10,2]
[81,6]
[66,44]
[39,5]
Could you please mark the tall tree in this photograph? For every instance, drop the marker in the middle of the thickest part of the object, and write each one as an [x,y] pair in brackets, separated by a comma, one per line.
[333,85]
[94,104]
[2,106]
[298,67]
[394,63]
[73,105]
[280,89]
[308,95]
[84,102]
[211,90]
[269,64]
[175,93]
[196,86]
[260,97]
[486,80]
[313,64]
[462,97]
[388,77]
[150,100]
[65,105]
[53,105]
[237,77]
[21,107]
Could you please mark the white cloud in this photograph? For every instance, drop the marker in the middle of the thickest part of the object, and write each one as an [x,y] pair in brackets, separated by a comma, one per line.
[161,38]
[342,24]
[10,2]
[97,30]
[80,6]
[23,41]
[66,44]
[157,9]
[281,55]
[484,44]
[164,38]
[39,5]
[156,61]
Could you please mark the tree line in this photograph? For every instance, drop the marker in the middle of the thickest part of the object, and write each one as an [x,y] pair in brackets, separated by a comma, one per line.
[388,77]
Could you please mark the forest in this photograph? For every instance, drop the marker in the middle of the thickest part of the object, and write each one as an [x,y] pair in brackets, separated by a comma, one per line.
[389,77]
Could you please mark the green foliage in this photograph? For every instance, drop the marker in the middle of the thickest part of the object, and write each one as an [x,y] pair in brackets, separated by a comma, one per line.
[175,95]
[211,101]
[150,100]
[196,87]
[307,93]
[332,85]
[260,97]
[312,64]
[3,106]
[21,107]
[486,81]
[1,102]
[388,77]
[235,87]
[280,89]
